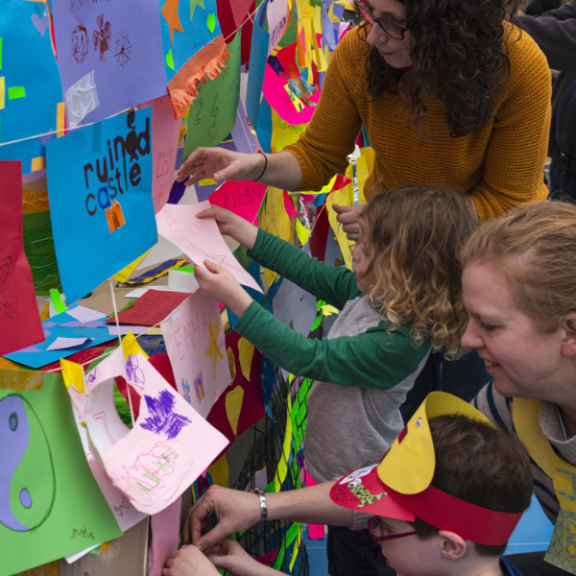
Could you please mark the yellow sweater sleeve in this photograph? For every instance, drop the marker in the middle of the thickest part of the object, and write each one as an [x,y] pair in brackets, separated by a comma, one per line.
[514,159]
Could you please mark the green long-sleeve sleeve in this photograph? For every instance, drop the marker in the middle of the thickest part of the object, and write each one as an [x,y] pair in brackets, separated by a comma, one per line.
[334,285]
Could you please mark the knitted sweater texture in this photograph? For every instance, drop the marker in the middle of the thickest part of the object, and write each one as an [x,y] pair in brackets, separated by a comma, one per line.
[500,166]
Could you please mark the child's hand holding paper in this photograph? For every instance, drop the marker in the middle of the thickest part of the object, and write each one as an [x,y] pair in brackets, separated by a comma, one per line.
[216,282]
[232,225]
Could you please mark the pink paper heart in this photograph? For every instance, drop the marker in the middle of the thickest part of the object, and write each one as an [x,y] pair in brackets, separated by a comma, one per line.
[40,23]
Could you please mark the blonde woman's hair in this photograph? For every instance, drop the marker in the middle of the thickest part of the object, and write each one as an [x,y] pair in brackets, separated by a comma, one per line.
[413,236]
[535,247]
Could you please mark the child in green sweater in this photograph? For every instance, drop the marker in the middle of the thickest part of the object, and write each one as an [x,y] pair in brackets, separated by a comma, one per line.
[401,299]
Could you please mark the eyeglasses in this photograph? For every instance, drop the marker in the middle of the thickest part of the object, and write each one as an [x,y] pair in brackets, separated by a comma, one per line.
[393,30]
[378,531]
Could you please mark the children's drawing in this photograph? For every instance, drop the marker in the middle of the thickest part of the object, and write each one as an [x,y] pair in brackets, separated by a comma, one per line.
[110,221]
[168,448]
[213,351]
[163,419]
[195,343]
[109,55]
[43,514]
[200,239]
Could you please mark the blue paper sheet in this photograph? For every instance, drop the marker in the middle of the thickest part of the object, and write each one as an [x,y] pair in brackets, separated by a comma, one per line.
[99,177]
[27,61]
[199,28]
[62,326]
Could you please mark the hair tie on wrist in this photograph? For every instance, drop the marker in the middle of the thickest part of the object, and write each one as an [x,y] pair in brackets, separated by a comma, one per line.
[265,166]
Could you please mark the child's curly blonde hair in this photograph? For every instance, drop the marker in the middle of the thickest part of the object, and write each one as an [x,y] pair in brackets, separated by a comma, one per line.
[413,237]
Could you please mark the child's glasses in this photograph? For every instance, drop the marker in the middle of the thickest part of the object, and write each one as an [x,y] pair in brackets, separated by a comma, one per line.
[393,30]
[378,531]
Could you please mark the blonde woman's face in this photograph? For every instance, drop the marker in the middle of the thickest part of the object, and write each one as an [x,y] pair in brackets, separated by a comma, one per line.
[521,359]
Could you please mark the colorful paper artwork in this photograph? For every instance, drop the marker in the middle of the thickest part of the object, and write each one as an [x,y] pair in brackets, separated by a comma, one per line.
[242,198]
[109,55]
[242,403]
[30,90]
[213,113]
[62,325]
[151,308]
[200,239]
[165,136]
[50,504]
[101,207]
[19,316]
[195,342]
[170,444]
[294,307]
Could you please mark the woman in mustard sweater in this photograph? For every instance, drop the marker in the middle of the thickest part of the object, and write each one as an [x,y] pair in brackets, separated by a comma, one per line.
[451,95]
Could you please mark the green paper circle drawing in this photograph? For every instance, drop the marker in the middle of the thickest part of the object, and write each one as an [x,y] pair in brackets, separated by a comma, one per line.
[27,486]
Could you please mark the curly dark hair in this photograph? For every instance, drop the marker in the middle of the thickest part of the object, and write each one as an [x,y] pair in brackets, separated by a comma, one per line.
[459,53]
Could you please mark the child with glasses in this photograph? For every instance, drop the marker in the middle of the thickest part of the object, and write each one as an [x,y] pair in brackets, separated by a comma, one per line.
[444,500]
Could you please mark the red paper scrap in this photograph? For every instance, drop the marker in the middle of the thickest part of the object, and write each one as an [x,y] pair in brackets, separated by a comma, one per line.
[151,308]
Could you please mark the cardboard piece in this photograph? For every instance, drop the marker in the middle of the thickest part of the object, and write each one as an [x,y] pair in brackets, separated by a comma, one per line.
[151,308]
[50,504]
[194,338]
[109,221]
[200,239]
[18,310]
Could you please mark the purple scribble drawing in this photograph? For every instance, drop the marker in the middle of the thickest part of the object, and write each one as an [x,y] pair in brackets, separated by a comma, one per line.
[163,419]
[80,43]
[133,371]
[101,37]
[186,388]
[91,377]
[123,48]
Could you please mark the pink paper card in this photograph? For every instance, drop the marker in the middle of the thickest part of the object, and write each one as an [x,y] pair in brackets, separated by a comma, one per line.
[194,338]
[19,318]
[151,308]
[165,527]
[170,444]
[165,135]
[242,198]
[200,239]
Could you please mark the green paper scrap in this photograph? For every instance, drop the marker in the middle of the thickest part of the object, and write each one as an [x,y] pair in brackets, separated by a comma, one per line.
[562,550]
[15,92]
[57,301]
[193,4]
[170,59]
[213,113]
[54,508]
[291,535]
[211,22]
[189,269]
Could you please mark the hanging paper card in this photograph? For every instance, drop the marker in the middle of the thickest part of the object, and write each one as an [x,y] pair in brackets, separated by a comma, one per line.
[200,239]
[165,528]
[151,308]
[187,27]
[244,140]
[109,55]
[63,325]
[19,316]
[242,198]
[30,90]
[294,307]
[169,446]
[51,506]
[278,17]
[213,113]
[242,403]
[194,339]
[258,56]
[233,13]
[165,134]
[101,207]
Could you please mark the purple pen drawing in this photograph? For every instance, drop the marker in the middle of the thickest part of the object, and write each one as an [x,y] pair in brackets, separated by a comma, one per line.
[5,266]
[186,388]
[213,351]
[134,372]
[123,48]
[101,37]
[80,43]
[163,419]
[199,387]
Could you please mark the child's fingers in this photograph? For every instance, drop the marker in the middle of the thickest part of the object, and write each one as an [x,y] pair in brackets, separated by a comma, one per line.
[212,212]
[212,266]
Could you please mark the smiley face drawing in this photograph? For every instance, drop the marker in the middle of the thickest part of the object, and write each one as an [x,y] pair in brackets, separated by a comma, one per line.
[27,481]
